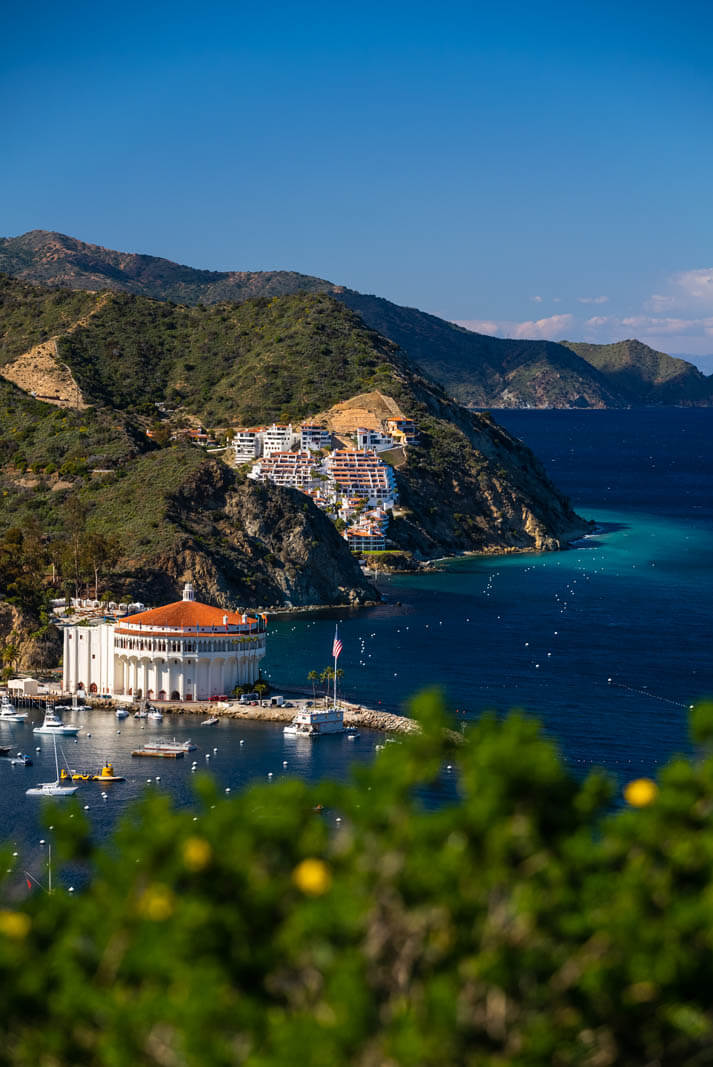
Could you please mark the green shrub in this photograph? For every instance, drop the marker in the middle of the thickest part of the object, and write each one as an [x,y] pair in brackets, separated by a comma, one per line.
[517,922]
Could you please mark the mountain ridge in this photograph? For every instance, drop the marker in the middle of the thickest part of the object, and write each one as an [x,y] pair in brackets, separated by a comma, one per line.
[477,370]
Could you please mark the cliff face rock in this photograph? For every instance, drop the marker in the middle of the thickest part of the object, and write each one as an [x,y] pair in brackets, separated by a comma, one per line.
[34,647]
[246,544]
[474,487]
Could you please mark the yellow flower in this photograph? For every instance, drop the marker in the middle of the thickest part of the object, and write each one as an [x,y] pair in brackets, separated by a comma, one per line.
[640,792]
[14,924]
[197,853]
[312,876]
[156,903]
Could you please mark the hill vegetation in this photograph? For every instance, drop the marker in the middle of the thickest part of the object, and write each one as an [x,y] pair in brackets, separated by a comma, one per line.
[519,922]
[56,259]
[645,376]
[286,358]
[482,371]
[476,369]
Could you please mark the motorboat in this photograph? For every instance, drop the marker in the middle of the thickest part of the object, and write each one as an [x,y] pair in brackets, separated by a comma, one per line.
[9,713]
[314,722]
[155,714]
[53,725]
[21,760]
[122,713]
[211,722]
[59,788]
[141,714]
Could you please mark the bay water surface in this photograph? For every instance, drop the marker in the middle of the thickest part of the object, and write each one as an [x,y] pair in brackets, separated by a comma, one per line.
[545,633]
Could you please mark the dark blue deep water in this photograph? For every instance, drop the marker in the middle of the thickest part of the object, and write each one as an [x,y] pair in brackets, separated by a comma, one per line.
[545,633]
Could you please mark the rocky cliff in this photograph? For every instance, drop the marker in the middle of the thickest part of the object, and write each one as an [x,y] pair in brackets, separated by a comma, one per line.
[25,643]
[240,542]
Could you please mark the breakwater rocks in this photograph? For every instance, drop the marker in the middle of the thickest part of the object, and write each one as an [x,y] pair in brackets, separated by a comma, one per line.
[354,714]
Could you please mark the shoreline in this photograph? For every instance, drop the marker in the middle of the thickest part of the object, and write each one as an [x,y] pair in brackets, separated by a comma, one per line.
[354,714]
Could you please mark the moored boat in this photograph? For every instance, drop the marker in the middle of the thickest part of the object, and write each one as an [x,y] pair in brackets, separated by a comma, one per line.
[211,721]
[53,725]
[9,713]
[314,722]
[161,753]
[59,788]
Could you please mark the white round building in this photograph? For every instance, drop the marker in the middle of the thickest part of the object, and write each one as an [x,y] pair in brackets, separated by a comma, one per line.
[183,651]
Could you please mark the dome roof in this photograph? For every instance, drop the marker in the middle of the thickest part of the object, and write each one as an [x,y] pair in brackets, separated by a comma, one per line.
[187,615]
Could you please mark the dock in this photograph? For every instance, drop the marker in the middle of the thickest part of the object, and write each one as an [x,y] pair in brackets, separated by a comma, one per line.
[158,753]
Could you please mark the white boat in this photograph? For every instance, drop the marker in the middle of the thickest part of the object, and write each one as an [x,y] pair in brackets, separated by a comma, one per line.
[174,745]
[122,713]
[312,722]
[52,789]
[141,714]
[210,722]
[9,713]
[53,725]
[154,713]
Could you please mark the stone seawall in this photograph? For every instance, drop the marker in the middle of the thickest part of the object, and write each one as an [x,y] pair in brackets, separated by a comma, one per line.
[354,714]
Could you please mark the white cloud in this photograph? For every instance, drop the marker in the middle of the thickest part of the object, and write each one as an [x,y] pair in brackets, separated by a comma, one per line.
[536,299]
[689,290]
[592,299]
[548,329]
[597,321]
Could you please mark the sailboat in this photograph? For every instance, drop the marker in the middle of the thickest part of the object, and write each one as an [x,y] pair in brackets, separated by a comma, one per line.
[57,788]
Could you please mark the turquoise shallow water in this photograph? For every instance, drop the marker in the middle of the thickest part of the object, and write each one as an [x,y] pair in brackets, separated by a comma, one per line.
[544,633]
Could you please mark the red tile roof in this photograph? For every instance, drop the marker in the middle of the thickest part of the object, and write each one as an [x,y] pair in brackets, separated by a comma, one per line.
[187,615]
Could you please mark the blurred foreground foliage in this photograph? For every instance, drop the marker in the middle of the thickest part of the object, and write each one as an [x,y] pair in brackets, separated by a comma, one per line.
[521,923]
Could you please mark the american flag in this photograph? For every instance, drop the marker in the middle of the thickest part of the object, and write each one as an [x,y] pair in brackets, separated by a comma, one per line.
[337,646]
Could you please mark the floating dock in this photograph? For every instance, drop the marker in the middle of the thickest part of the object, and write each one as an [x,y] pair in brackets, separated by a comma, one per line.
[159,753]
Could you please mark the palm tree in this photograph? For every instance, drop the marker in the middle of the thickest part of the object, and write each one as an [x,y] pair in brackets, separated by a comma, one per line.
[313,677]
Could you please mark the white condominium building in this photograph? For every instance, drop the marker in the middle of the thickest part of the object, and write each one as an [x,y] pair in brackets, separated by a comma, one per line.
[293,469]
[373,439]
[247,443]
[313,437]
[277,438]
[362,474]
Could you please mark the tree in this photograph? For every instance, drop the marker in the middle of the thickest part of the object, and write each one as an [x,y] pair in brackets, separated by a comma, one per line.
[313,677]
[97,552]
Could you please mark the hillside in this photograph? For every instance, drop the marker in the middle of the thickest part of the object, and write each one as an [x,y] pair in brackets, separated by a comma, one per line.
[482,371]
[468,485]
[56,259]
[475,369]
[161,515]
[646,376]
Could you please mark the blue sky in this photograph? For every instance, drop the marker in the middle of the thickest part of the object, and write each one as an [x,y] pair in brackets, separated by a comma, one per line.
[534,170]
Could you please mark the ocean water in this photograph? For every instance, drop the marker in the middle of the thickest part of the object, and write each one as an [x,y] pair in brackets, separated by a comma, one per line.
[546,633]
